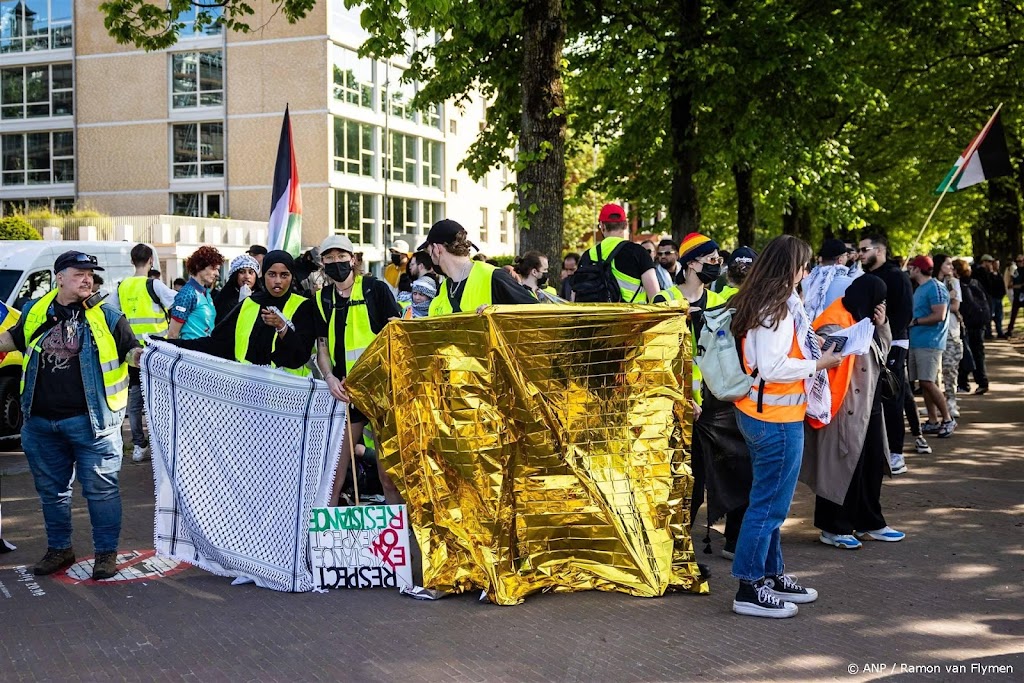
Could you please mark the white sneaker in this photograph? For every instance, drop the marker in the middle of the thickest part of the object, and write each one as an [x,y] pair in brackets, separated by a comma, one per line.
[954,409]
[897,465]
[139,454]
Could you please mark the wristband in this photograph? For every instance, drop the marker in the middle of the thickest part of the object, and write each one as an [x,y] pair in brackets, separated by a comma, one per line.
[282,328]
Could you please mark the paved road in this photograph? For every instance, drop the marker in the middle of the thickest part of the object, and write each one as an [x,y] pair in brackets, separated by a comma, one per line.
[951,595]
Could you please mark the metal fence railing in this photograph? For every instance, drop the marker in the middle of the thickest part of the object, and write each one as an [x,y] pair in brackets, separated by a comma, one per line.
[155,229]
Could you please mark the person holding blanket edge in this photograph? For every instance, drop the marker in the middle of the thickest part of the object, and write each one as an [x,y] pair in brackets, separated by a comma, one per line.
[779,344]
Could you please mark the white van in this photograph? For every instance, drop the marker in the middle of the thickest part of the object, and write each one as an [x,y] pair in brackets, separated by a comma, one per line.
[26,266]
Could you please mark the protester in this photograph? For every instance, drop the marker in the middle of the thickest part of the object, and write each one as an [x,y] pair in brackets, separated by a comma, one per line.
[178,283]
[816,286]
[874,256]
[243,273]
[569,264]
[153,274]
[423,292]
[977,312]
[631,265]
[650,247]
[717,441]
[846,459]
[253,333]
[257,251]
[398,258]
[853,261]
[954,351]
[668,266]
[193,314]
[420,265]
[352,311]
[929,330]
[532,269]
[73,398]
[780,345]
[1015,288]
[145,302]
[469,285]
[994,285]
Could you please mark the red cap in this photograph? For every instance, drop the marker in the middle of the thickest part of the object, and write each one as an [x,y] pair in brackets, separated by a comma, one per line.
[612,213]
[922,262]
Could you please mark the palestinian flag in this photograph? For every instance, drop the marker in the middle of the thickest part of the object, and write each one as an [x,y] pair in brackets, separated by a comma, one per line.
[986,157]
[285,228]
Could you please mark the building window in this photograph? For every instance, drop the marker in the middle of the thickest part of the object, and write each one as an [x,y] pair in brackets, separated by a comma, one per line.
[193,13]
[36,91]
[197,79]
[401,217]
[484,231]
[353,147]
[433,163]
[453,126]
[38,158]
[432,213]
[198,150]
[453,186]
[432,117]
[354,216]
[353,78]
[10,207]
[503,227]
[206,204]
[398,95]
[28,25]
[402,158]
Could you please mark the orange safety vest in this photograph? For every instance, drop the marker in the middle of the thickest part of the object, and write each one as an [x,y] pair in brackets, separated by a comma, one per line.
[838,377]
[775,401]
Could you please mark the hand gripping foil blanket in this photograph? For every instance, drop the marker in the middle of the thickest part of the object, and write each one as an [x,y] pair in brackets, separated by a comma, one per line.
[539,448]
[241,455]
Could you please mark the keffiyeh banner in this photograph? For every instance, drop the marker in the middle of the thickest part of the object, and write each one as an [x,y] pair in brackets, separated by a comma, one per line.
[241,455]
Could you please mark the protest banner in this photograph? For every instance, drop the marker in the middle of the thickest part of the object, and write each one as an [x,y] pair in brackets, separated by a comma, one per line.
[360,547]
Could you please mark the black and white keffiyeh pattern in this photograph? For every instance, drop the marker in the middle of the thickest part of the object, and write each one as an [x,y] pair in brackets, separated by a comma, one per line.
[241,454]
[819,395]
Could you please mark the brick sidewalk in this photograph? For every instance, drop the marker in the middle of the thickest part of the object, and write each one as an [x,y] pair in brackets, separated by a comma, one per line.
[951,594]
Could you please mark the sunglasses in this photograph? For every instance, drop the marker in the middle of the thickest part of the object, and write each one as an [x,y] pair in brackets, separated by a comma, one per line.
[86,258]
[665,253]
[865,250]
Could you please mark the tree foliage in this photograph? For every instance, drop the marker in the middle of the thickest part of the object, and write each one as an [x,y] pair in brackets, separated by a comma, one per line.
[17,228]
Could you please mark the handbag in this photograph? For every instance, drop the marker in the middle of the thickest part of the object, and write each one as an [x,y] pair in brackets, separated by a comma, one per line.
[888,383]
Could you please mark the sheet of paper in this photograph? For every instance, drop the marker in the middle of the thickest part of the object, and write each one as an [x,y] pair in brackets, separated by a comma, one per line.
[858,337]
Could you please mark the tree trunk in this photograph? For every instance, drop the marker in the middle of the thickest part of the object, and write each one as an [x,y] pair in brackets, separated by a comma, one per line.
[542,139]
[746,212]
[796,220]
[1003,219]
[684,203]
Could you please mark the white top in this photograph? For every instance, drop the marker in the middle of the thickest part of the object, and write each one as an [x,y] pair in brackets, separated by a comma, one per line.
[163,292]
[767,349]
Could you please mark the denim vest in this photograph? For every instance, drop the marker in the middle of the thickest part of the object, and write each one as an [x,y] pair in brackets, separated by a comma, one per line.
[101,417]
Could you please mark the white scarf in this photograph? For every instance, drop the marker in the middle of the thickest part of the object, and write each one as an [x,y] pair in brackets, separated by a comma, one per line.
[819,396]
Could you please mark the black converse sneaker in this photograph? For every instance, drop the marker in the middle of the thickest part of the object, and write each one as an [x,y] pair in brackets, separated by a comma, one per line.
[756,599]
[785,587]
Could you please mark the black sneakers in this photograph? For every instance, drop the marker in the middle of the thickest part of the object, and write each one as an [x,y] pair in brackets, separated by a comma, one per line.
[785,587]
[54,560]
[757,599]
[104,566]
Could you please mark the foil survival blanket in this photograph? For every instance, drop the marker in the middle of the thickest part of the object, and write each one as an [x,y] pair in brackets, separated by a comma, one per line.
[241,455]
[539,448]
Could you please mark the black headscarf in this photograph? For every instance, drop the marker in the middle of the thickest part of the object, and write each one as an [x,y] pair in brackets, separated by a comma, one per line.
[863,294]
[263,296]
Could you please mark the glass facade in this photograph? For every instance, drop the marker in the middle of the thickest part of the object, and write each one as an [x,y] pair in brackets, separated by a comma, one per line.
[355,216]
[41,158]
[353,77]
[354,148]
[198,150]
[197,79]
[39,91]
[30,25]
[192,14]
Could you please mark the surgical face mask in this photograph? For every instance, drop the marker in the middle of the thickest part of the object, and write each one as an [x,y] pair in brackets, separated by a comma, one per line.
[338,271]
[396,258]
[709,272]
[542,279]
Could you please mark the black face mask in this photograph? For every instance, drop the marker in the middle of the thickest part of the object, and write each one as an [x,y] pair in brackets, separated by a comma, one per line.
[542,279]
[338,271]
[709,273]
[396,258]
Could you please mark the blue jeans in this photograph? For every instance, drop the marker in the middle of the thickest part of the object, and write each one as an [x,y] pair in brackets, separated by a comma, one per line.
[57,450]
[776,451]
[997,316]
[135,405]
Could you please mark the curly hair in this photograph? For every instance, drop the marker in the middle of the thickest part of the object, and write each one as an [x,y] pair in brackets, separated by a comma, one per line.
[202,258]
[460,246]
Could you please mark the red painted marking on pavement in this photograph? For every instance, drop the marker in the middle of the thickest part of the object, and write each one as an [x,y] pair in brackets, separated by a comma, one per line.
[132,566]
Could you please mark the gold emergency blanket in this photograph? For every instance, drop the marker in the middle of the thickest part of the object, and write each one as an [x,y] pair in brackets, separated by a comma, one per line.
[539,447]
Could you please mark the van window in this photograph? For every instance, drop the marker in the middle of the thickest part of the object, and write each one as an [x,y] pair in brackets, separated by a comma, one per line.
[8,280]
[36,285]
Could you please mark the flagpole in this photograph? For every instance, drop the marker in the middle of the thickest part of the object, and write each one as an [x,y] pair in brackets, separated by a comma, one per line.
[952,179]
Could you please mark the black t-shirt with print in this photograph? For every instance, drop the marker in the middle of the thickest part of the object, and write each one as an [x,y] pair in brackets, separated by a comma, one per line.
[59,390]
[504,290]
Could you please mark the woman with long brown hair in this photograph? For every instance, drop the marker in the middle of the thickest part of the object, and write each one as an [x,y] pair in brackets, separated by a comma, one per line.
[780,346]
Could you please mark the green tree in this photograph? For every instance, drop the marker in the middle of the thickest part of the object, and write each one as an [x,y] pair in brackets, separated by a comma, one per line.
[17,228]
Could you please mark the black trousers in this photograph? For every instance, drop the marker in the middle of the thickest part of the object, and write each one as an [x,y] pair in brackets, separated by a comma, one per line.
[976,343]
[862,508]
[892,409]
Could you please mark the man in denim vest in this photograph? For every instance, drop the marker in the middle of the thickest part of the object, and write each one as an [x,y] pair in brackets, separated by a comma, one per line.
[73,396]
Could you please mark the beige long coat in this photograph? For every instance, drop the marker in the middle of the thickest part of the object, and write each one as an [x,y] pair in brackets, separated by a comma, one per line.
[831,453]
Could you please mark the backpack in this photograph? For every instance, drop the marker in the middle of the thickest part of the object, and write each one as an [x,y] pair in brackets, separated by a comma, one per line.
[975,308]
[593,281]
[720,357]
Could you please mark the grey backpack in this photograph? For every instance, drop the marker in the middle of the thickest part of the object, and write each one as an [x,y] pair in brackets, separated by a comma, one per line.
[720,357]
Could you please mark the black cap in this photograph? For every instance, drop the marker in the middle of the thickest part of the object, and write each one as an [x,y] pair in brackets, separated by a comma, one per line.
[75,259]
[832,248]
[743,254]
[442,232]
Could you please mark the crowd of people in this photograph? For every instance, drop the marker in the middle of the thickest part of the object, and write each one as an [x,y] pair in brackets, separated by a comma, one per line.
[806,411]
